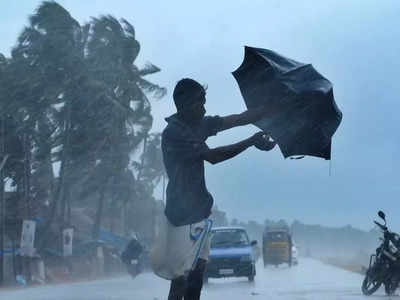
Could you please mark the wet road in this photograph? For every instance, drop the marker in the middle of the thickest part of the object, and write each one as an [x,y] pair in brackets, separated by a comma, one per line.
[309,280]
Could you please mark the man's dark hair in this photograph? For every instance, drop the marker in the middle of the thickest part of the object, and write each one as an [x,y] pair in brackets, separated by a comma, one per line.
[186,92]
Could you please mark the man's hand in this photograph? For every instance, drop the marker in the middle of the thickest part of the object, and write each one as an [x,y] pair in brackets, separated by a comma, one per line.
[262,141]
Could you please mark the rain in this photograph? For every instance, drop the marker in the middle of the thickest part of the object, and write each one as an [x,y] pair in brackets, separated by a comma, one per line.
[170,149]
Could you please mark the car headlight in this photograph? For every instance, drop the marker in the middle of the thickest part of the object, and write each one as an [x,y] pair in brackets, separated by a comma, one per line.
[245,258]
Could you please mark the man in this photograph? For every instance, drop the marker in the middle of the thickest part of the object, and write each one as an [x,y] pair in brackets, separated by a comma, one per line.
[188,202]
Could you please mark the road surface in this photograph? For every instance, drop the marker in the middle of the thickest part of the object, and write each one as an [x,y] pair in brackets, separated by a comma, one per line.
[310,280]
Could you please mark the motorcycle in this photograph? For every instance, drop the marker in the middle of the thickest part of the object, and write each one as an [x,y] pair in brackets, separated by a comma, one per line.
[384,265]
[133,257]
[133,267]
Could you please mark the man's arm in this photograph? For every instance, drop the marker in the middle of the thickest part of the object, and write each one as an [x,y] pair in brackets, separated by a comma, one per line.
[249,116]
[223,153]
[220,154]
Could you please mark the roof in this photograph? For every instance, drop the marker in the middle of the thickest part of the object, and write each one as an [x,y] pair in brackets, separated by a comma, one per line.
[277,230]
[227,228]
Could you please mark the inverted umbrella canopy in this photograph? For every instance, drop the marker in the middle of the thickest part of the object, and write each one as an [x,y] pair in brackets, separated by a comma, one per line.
[307,115]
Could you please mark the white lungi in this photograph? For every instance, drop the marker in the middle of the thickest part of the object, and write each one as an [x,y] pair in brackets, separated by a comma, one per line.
[176,250]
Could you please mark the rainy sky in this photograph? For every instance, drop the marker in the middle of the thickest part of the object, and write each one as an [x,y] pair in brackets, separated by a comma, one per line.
[355,44]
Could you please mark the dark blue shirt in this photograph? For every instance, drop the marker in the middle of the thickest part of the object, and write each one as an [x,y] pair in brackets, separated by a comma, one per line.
[183,146]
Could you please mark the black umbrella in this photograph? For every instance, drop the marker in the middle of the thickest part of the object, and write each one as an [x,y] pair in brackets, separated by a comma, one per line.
[307,114]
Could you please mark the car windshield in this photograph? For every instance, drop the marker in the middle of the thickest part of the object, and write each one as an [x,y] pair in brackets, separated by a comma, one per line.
[277,237]
[229,238]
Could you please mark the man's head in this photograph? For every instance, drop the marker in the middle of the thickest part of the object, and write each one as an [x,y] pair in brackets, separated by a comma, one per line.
[190,97]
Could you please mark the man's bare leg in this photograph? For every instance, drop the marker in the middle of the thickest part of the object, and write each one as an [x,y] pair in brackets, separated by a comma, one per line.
[195,281]
[177,289]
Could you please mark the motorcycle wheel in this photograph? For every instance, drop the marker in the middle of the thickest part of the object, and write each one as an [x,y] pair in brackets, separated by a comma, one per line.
[370,285]
[132,270]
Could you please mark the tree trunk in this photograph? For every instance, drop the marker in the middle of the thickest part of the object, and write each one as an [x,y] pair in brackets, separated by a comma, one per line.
[69,208]
[123,218]
[59,197]
[64,180]
[99,215]
[2,203]
[140,173]
[27,177]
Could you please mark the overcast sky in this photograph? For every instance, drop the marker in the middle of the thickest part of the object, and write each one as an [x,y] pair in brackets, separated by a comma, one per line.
[355,44]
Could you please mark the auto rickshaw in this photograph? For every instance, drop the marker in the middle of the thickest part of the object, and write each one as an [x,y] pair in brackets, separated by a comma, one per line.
[277,247]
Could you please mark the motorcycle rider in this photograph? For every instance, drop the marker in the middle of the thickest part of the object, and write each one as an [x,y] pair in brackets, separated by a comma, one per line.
[130,256]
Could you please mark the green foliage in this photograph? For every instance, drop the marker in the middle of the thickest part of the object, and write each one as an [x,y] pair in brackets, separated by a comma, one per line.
[151,169]
[72,94]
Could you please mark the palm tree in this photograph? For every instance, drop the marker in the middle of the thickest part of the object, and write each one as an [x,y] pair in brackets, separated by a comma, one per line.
[50,48]
[125,117]
[74,96]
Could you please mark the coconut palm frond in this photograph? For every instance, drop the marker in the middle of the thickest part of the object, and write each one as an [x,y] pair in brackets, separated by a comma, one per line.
[152,88]
[85,36]
[128,27]
[3,59]
[28,37]
[52,17]
[148,69]
[107,26]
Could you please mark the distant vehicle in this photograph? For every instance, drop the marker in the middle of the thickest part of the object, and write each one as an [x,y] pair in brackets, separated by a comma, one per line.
[277,247]
[295,255]
[132,257]
[231,254]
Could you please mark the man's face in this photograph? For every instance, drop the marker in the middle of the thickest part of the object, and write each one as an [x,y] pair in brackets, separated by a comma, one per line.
[197,111]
